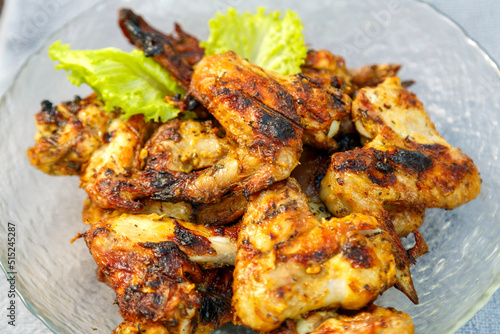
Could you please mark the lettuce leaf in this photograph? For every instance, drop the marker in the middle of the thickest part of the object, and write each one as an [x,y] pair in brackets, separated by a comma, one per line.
[129,81]
[264,39]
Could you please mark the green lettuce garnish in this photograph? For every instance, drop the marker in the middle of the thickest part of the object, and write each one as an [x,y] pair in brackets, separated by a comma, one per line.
[264,39]
[129,81]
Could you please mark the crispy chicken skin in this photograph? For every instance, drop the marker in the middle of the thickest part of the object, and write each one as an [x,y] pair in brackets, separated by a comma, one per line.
[330,68]
[68,134]
[149,262]
[107,176]
[203,245]
[92,213]
[177,148]
[263,128]
[288,263]
[185,145]
[177,52]
[371,320]
[372,75]
[406,167]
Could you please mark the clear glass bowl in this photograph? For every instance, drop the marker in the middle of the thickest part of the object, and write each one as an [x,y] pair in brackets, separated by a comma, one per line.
[458,83]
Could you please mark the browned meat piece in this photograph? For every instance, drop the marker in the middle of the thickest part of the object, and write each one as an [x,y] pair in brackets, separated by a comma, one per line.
[320,106]
[184,146]
[406,167]
[372,320]
[68,134]
[107,178]
[177,53]
[264,130]
[150,262]
[92,214]
[288,263]
[330,68]
[372,75]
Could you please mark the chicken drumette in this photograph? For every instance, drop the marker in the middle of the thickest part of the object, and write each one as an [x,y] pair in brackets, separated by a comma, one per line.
[288,263]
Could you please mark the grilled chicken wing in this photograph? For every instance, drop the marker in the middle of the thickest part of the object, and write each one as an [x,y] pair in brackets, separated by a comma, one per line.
[176,53]
[372,75]
[330,68]
[107,178]
[318,100]
[264,129]
[204,245]
[177,148]
[406,167]
[68,134]
[372,320]
[149,261]
[288,263]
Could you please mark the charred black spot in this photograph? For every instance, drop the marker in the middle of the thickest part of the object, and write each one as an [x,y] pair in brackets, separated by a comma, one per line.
[415,161]
[286,103]
[358,255]
[354,165]
[192,104]
[214,307]
[275,126]
[171,264]
[382,179]
[161,181]
[270,213]
[108,136]
[224,91]
[47,106]
[186,238]
[100,230]
[154,284]
[304,77]
[160,248]
[348,142]
[317,181]
[383,167]
[337,82]
[151,42]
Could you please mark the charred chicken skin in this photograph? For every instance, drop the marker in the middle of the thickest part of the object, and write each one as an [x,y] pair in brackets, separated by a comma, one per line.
[296,264]
[406,167]
[107,176]
[68,134]
[149,261]
[260,121]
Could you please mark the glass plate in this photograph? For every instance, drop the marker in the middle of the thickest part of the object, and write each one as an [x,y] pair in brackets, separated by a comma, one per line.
[458,83]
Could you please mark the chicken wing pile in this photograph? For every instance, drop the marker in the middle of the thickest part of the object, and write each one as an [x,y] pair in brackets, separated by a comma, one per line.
[281,207]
